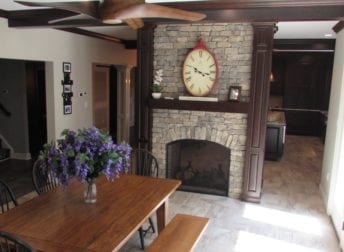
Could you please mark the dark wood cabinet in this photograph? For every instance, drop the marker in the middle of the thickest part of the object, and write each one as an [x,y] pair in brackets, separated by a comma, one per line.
[275,135]
[304,80]
[274,141]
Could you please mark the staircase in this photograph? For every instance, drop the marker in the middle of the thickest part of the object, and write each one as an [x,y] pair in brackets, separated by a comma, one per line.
[4,153]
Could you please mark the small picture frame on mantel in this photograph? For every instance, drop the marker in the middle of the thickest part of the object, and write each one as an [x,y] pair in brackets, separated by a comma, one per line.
[234,93]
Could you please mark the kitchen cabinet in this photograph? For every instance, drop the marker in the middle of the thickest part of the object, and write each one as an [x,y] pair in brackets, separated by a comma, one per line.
[275,135]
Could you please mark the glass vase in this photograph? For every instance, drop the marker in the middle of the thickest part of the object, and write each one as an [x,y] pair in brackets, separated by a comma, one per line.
[90,194]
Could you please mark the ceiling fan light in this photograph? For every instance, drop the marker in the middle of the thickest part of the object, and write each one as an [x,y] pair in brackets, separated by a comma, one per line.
[112,21]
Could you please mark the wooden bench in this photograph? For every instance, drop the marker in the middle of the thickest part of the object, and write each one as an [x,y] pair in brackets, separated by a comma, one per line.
[181,234]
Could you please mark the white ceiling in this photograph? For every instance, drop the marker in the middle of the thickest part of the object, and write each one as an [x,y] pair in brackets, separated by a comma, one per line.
[306,30]
[286,30]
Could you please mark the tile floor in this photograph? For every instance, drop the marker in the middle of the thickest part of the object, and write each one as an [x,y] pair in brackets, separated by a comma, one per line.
[290,217]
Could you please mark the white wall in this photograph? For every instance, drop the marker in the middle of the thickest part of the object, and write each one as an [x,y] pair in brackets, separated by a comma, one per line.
[55,47]
[333,162]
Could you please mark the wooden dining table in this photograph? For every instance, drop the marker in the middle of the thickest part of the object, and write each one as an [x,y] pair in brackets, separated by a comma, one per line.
[60,220]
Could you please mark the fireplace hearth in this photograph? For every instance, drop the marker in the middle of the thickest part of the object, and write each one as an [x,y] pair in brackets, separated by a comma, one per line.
[201,165]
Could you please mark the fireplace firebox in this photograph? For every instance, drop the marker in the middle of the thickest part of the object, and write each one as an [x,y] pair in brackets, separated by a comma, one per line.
[201,165]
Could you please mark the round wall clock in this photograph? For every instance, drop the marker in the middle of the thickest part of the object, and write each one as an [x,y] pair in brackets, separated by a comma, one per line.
[200,70]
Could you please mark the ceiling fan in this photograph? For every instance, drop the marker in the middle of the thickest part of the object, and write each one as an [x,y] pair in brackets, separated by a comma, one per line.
[116,11]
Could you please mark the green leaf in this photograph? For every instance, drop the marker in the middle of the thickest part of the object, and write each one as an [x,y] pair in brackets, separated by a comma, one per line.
[71,153]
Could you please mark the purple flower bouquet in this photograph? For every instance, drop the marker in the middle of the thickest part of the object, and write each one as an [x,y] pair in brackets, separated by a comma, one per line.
[85,154]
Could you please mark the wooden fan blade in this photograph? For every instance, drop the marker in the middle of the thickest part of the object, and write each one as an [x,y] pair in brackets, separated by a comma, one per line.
[135,23]
[150,11]
[72,18]
[89,8]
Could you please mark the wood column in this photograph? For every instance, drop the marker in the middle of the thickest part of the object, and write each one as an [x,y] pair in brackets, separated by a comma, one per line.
[145,49]
[258,107]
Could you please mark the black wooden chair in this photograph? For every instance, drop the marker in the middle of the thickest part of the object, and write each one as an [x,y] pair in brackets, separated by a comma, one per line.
[145,164]
[43,179]
[7,198]
[10,243]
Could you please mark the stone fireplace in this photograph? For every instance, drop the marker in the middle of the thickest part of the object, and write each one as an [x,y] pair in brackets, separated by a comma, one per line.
[226,129]
[189,161]
[232,44]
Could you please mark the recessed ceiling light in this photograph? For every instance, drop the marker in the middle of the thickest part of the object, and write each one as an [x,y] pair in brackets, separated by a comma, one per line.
[328,35]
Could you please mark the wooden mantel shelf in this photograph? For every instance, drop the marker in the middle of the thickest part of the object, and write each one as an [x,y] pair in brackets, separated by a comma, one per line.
[221,106]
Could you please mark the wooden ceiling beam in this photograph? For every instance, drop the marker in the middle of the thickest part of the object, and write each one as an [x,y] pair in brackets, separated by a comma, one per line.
[128,44]
[240,4]
[40,18]
[91,34]
[3,13]
[277,14]
[339,26]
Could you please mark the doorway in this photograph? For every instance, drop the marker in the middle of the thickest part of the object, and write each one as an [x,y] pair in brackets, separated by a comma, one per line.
[112,100]
[300,85]
[36,106]
[23,130]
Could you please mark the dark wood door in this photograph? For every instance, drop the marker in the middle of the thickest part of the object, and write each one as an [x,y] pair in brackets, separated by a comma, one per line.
[113,102]
[36,104]
[134,108]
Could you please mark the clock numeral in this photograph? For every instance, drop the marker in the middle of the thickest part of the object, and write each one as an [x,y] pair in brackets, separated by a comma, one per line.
[191,86]
[208,58]
[192,58]
[200,54]
[188,79]
[211,78]
[212,71]
[199,90]
[211,66]
[208,87]
[188,72]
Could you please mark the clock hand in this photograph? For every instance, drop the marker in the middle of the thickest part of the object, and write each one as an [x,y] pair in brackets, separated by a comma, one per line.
[203,74]
[195,69]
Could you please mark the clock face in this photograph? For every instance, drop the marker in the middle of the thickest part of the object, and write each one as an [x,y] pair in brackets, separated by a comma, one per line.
[199,72]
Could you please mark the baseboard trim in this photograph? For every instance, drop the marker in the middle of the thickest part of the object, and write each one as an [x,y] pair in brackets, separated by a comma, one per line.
[20,156]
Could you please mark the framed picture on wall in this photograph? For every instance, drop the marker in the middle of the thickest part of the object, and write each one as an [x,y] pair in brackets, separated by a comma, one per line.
[234,93]
[67,67]
[67,88]
[67,109]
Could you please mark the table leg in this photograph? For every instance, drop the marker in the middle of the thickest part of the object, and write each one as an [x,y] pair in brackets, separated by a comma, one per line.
[161,215]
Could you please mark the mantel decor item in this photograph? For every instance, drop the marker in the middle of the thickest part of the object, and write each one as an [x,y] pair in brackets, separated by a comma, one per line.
[85,155]
[234,93]
[200,70]
[156,87]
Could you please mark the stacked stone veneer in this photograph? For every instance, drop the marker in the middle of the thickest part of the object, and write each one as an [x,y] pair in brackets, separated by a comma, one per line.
[227,129]
[232,46]
[230,43]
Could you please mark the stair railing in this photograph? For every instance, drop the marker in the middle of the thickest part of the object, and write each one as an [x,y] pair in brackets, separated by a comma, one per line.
[4,110]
